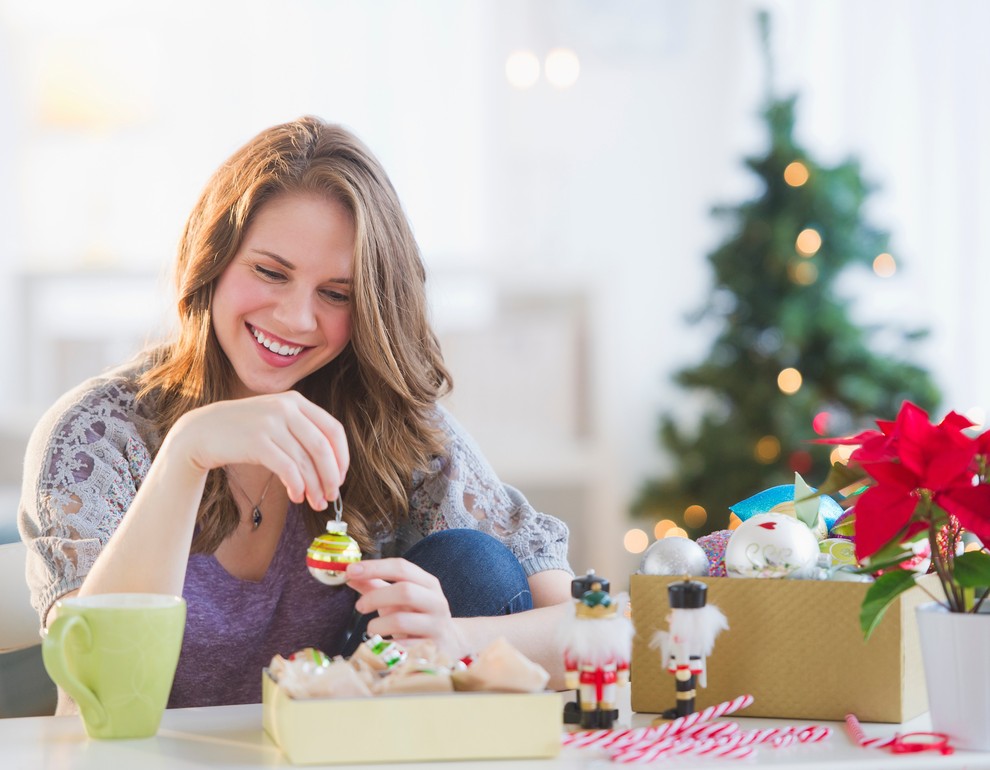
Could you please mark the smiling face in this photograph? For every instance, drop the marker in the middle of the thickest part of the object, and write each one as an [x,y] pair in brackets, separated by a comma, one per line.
[282,307]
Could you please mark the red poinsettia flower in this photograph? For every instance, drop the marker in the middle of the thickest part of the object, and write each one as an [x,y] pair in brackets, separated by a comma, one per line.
[912,461]
[920,478]
[885,509]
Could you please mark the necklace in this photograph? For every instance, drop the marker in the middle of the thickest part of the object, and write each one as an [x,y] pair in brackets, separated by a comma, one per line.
[256,515]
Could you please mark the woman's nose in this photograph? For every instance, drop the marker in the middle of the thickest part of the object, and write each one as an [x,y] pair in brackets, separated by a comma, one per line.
[296,311]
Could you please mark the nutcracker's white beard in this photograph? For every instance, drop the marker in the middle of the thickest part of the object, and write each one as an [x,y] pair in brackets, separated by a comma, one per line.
[696,628]
[598,641]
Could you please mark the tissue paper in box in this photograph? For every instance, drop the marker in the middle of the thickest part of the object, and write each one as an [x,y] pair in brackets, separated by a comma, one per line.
[412,728]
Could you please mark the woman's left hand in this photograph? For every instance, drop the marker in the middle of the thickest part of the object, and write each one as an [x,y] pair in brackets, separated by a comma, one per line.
[409,601]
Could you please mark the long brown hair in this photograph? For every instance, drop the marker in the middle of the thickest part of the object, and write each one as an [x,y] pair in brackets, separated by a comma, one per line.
[383,387]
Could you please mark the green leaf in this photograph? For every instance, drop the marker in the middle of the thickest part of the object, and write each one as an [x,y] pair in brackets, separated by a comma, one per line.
[839,477]
[972,569]
[891,555]
[879,596]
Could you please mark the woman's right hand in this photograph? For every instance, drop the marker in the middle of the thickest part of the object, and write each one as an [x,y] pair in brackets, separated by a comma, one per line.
[297,440]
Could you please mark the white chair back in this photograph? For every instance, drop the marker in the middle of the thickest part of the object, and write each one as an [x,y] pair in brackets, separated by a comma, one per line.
[19,624]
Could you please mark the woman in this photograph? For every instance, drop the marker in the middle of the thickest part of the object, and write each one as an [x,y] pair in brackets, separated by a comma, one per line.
[304,369]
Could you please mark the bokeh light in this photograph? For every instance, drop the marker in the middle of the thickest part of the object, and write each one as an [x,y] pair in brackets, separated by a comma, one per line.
[676,532]
[841,454]
[695,516]
[767,449]
[884,265]
[800,461]
[562,67]
[636,541]
[789,381]
[808,242]
[661,527]
[522,69]
[802,273]
[820,423]
[796,174]
[977,415]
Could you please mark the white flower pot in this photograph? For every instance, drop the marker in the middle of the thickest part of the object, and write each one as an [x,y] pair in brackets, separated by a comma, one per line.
[955,648]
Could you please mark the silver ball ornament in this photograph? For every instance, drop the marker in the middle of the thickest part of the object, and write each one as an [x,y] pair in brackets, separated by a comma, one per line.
[674,556]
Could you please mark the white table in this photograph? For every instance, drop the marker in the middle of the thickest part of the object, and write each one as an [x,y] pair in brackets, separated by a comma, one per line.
[231,737]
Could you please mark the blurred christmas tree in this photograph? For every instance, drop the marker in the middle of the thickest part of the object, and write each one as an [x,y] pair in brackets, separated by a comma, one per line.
[788,362]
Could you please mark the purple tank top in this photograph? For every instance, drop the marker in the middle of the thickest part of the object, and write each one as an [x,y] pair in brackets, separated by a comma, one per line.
[234,627]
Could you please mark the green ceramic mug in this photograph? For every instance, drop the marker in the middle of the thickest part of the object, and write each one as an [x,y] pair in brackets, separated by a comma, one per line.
[116,654]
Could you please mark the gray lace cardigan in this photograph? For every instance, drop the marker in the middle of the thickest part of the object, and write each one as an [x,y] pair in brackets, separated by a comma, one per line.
[90,452]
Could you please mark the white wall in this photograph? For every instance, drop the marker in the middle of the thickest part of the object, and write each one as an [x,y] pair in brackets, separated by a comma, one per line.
[114,114]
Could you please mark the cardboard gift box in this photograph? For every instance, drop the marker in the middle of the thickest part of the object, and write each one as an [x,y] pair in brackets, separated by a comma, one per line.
[795,646]
[412,728]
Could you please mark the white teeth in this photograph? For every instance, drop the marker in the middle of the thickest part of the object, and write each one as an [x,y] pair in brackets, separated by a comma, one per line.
[282,350]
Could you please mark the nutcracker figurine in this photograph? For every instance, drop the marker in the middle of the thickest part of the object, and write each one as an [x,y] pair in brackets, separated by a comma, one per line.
[597,642]
[694,624]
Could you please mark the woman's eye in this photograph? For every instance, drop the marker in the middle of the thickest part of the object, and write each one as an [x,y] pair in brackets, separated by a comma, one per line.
[334,296]
[271,275]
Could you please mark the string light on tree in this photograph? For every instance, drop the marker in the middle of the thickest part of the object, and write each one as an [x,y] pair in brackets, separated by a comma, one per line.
[800,461]
[676,532]
[796,174]
[636,541]
[767,449]
[789,381]
[802,273]
[884,265]
[661,527]
[695,516]
[808,242]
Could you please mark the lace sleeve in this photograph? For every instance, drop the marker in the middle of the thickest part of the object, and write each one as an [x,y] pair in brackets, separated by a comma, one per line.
[462,491]
[84,464]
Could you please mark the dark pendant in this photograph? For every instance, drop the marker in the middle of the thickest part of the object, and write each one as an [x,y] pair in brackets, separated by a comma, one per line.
[256,517]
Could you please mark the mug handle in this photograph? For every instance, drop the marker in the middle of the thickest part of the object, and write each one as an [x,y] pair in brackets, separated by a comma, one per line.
[53,655]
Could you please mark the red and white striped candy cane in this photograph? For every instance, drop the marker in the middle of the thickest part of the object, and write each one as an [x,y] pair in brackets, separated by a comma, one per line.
[856,730]
[603,738]
[708,748]
[642,753]
[710,730]
[715,748]
[814,734]
[718,710]
[586,737]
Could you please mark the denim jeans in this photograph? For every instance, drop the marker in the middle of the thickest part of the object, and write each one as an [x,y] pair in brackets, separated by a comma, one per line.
[478,575]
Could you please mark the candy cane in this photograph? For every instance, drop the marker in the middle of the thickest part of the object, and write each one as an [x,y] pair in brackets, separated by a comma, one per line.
[856,730]
[728,734]
[603,738]
[681,724]
[720,709]
[644,753]
[586,738]
[708,748]
[814,734]
[710,730]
